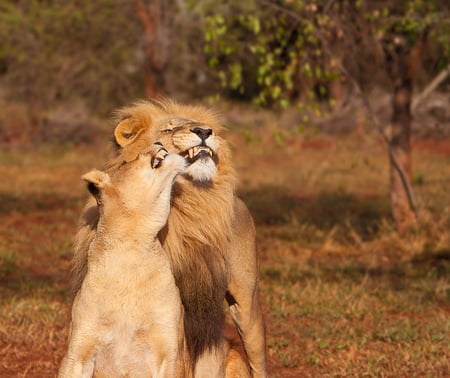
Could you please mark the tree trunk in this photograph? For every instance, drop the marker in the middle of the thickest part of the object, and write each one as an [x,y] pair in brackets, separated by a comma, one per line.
[156,40]
[402,63]
[400,156]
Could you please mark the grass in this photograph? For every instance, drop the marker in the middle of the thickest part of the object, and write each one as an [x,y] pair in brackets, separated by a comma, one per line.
[343,295]
[341,322]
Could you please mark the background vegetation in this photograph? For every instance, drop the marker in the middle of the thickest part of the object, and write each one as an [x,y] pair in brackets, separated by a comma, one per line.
[310,91]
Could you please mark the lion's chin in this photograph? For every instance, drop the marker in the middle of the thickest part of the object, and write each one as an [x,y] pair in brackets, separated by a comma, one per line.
[202,170]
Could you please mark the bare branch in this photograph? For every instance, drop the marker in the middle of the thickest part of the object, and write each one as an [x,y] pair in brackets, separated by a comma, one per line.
[430,88]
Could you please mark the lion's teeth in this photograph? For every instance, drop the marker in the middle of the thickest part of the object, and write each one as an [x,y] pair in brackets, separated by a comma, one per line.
[194,151]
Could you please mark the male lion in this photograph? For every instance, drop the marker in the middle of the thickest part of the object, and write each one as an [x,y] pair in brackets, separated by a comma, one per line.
[127,317]
[209,236]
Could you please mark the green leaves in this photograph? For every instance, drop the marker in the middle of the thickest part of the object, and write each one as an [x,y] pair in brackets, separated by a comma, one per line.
[263,52]
[278,52]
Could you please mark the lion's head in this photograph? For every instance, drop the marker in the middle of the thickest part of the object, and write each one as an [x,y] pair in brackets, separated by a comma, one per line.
[192,132]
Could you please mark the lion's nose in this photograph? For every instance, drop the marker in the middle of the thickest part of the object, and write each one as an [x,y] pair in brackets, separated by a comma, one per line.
[203,133]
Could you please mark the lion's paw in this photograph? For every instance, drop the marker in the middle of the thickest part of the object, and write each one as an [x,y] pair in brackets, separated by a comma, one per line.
[160,155]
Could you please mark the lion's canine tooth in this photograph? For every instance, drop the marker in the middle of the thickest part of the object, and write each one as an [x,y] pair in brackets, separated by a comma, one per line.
[191,153]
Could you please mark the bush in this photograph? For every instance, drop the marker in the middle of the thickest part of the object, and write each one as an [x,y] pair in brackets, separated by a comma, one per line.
[57,51]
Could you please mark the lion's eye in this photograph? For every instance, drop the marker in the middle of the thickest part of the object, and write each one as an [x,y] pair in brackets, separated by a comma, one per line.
[171,129]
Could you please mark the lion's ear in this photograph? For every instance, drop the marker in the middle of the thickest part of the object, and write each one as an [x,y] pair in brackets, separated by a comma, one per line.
[97,181]
[127,130]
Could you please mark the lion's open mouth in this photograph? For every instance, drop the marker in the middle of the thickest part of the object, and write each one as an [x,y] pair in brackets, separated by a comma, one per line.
[197,152]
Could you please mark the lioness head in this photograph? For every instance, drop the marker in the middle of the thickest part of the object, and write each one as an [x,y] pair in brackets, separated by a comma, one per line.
[139,187]
[191,132]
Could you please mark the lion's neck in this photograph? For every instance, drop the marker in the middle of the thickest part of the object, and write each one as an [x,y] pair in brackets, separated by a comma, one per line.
[116,236]
[126,225]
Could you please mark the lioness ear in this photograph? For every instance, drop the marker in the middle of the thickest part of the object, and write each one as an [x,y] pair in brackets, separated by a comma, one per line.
[96,182]
[127,130]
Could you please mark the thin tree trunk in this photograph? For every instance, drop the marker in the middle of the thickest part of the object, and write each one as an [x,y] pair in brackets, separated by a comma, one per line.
[156,40]
[400,145]
[402,66]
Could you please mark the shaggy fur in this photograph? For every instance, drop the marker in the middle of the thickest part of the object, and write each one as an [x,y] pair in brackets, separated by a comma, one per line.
[209,236]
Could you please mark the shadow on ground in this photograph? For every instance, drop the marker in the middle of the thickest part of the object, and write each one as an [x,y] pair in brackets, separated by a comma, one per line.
[273,205]
[30,203]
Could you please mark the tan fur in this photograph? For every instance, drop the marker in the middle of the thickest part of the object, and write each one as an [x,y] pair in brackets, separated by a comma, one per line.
[127,317]
[209,236]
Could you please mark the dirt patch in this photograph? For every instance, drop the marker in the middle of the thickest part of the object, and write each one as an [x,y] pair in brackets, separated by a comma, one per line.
[438,147]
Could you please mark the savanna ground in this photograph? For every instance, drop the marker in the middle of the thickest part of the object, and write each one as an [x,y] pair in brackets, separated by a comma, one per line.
[343,295]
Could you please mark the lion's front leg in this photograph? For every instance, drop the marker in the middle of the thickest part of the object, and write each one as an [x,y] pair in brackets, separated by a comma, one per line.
[71,368]
[242,293]
[249,322]
[79,359]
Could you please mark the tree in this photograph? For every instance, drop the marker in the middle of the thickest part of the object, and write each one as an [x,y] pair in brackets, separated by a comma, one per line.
[298,49]
[155,17]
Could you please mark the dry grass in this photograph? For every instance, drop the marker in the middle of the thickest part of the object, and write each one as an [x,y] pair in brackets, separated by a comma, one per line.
[343,294]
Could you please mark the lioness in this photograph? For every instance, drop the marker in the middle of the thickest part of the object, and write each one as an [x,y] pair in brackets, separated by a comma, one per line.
[209,236]
[127,315]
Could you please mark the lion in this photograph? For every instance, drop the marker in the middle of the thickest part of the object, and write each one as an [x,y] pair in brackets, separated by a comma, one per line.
[127,317]
[209,236]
